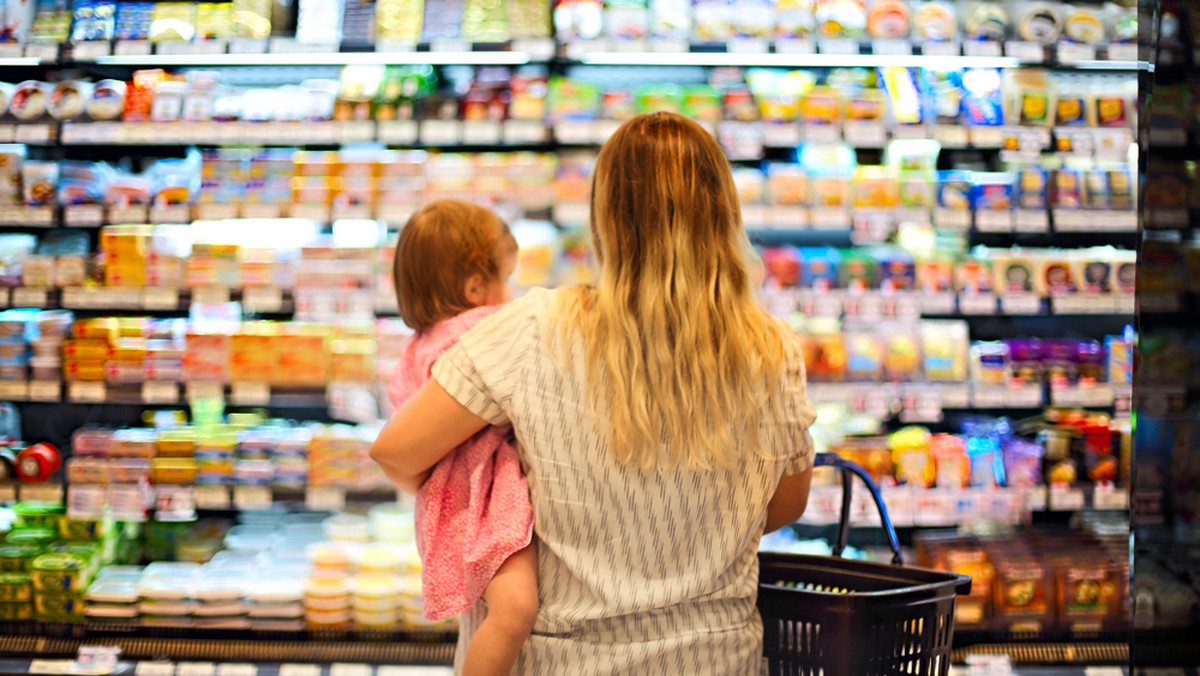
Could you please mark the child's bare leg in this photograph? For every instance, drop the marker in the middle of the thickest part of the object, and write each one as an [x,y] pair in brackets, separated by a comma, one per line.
[512,602]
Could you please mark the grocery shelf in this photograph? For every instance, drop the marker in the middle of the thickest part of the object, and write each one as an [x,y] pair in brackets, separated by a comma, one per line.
[296,650]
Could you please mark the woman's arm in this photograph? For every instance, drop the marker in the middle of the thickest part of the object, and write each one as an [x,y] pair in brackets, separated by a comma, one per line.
[789,501]
[427,427]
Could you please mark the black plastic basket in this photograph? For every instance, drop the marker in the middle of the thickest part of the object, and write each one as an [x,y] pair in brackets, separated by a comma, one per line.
[828,616]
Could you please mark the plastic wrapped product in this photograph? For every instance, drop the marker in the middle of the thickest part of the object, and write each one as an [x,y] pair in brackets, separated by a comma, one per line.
[29,100]
[936,21]
[1039,22]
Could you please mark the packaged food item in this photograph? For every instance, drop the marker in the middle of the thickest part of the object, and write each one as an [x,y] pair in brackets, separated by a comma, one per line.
[93,21]
[28,100]
[864,356]
[952,466]
[912,456]
[936,21]
[840,18]
[984,453]
[983,100]
[1030,188]
[989,363]
[1039,22]
[944,346]
[1054,276]
[991,190]
[902,355]
[1067,192]
[1023,463]
[1025,361]
[172,22]
[820,268]
[793,18]
[1083,25]
[954,189]
[712,21]
[986,21]
[888,19]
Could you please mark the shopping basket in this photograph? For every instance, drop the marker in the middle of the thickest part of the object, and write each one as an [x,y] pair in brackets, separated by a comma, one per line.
[829,616]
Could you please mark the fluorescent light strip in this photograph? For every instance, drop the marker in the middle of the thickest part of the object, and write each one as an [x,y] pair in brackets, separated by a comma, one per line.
[1113,65]
[20,61]
[320,59]
[794,60]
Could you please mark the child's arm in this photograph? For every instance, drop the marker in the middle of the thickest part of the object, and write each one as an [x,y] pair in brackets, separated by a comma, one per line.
[424,429]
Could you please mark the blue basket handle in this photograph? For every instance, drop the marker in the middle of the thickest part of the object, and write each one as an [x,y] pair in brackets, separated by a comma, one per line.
[848,469]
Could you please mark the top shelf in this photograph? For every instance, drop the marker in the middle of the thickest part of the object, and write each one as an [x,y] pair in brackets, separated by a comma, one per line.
[746,53]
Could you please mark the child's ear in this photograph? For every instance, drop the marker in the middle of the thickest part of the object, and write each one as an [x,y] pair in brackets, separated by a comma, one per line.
[475,290]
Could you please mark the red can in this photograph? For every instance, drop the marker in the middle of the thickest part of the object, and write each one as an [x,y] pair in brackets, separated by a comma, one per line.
[38,463]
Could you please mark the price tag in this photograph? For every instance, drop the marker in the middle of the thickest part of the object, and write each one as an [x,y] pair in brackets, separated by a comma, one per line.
[993,220]
[42,493]
[1106,496]
[794,46]
[1072,53]
[132,48]
[312,212]
[357,131]
[628,45]
[666,46]
[14,390]
[787,217]
[891,47]
[1020,304]
[822,133]
[781,134]
[216,212]
[155,669]
[210,295]
[398,132]
[936,507]
[977,304]
[262,299]
[251,497]
[987,137]
[1122,51]
[8,493]
[205,390]
[160,298]
[344,669]
[51,666]
[172,213]
[981,48]
[1066,499]
[517,132]
[1124,303]
[954,395]
[827,305]
[864,134]
[247,46]
[938,303]
[175,503]
[134,214]
[958,220]
[212,497]
[829,218]
[838,46]
[865,306]
[951,135]
[43,51]
[984,396]
[747,46]
[922,404]
[754,215]
[1030,220]
[42,217]
[34,133]
[1023,396]
[250,394]
[324,498]
[440,132]
[573,132]
[303,670]
[84,51]
[80,215]
[86,392]
[946,48]
[10,50]
[481,132]
[45,390]
[1023,50]
[7,131]
[160,392]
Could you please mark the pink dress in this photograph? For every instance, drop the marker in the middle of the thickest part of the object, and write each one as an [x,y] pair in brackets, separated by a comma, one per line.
[473,512]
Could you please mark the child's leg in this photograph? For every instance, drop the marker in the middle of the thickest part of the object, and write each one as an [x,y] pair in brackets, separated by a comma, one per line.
[512,602]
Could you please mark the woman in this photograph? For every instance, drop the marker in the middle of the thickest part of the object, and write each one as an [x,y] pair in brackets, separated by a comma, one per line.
[661,417]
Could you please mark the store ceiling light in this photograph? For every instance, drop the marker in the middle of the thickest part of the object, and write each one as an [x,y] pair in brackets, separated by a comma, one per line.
[320,59]
[794,60]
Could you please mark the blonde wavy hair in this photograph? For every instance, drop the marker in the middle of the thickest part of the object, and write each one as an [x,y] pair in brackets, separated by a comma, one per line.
[678,352]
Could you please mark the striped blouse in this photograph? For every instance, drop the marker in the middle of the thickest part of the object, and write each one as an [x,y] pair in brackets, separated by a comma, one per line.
[639,572]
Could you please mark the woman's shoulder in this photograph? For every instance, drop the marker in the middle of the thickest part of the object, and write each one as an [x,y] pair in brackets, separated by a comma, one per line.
[522,316]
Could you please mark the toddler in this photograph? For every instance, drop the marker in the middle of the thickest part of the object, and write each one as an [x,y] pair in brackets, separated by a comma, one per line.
[474,522]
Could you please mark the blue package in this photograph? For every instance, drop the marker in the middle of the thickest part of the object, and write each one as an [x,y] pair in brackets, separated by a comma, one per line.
[954,189]
[943,94]
[1030,188]
[820,267]
[991,191]
[983,102]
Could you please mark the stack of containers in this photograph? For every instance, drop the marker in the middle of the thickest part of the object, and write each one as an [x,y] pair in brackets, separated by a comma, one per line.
[253,466]
[213,265]
[112,597]
[215,456]
[315,178]
[85,357]
[206,356]
[401,183]
[167,592]
[52,328]
[124,253]
[289,457]
[15,330]
[352,358]
[303,355]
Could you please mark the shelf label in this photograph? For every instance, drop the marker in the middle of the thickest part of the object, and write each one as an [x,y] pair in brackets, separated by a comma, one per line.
[440,132]
[324,498]
[171,213]
[51,666]
[1123,51]
[42,493]
[829,218]
[822,133]
[160,392]
[573,132]
[838,46]
[1106,496]
[14,390]
[8,493]
[210,295]
[945,48]
[90,49]
[1020,304]
[216,212]
[1030,220]
[134,214]
[951,135]
[1073,52]
[174,503]
[250,497]
[312,212]
[518,132]
[398,132]
[82,215]
[1023,50]
[33,133]
[344,669]
[300,670]
[981,48]
[45,390]
[212,497]
[891,47]
[160,298]
[977,304]
[1066,499]
[794,46]
[984,396]
[987,137]
[1023,396]
[787,217]
[781,134]
[248,46]
[482,132]
[86,392]
[938,303]
[205,390]
[993,220]
[952,219]
[250,394]
[262,299]
[29,297]
[864,134]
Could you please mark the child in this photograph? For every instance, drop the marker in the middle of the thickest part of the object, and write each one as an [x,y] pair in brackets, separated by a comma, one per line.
[452,266]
